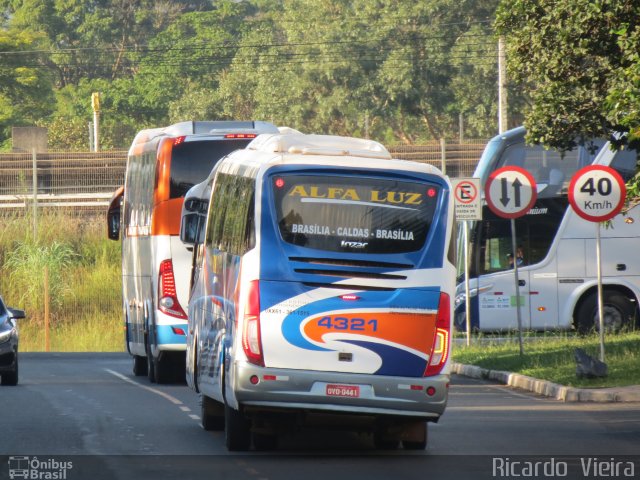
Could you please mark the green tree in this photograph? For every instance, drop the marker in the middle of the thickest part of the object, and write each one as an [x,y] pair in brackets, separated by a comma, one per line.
[90,39]
[355,67]
[579,62]
[181,70]
[26,93]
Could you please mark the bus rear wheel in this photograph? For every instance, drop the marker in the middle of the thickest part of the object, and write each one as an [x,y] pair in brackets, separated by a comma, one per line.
[151,367]
[139,365]
[618,313]
[419,435]
[162,366]
[237,430]
[211,414]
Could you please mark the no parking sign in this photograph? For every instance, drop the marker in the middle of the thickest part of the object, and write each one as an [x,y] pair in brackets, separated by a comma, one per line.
[466,196]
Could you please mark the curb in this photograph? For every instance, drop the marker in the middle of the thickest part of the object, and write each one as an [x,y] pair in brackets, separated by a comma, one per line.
[549,389]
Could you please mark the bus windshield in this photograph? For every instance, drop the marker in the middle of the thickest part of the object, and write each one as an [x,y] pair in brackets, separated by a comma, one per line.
[338,214]
[191,162]
[551,169]
[535,233]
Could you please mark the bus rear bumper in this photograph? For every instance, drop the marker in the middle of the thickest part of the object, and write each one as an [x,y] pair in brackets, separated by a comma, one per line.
[258,387]
[172,337]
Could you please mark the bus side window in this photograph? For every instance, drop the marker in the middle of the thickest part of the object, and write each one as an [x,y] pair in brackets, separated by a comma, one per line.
[217,211]
[238,217]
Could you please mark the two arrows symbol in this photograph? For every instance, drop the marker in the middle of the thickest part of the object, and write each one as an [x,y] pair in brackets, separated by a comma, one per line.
[505,199]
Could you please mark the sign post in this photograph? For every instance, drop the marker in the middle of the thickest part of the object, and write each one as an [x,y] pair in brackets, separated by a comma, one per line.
[466,192]
[95,105]
[597,194]
[510,193]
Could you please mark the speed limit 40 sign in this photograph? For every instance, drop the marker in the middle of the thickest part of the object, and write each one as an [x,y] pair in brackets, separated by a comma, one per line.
[597,193]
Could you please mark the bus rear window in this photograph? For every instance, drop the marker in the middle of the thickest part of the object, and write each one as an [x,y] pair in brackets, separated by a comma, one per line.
[354,214]
[191,162]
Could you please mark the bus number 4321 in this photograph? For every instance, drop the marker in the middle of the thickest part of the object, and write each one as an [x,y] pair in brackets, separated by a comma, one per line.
[344,323]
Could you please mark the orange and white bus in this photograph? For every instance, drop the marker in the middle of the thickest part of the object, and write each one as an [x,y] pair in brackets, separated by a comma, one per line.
[162,165]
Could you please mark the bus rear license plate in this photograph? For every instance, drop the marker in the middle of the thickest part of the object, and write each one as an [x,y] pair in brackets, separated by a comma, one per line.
[352,391]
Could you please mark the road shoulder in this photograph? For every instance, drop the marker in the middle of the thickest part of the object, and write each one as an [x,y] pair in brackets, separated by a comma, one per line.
[550,389]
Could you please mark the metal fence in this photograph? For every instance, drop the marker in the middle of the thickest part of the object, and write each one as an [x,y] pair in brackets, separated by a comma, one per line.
[453,158]
[86,180]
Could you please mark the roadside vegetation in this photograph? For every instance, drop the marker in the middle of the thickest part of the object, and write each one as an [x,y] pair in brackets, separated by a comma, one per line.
[85,309]
[83,279]
[551,357]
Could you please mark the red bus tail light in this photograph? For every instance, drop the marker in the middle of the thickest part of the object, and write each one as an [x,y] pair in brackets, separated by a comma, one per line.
[240,135]
[440,349]
[167,295]
[251,339]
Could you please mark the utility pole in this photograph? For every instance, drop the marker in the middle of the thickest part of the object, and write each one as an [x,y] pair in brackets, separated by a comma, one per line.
[502,87]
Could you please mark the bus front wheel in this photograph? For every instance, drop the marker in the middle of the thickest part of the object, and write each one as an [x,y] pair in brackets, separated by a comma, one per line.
[618,313]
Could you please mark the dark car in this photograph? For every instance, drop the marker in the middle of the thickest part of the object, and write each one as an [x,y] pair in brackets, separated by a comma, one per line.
[9,344]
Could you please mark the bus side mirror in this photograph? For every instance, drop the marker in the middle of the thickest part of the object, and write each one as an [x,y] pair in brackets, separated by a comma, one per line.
[194,214]
[113,215]
[189,227]
[113,224]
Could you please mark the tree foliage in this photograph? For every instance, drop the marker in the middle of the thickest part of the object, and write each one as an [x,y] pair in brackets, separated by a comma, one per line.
[579,62]
[25,91]
[393,70]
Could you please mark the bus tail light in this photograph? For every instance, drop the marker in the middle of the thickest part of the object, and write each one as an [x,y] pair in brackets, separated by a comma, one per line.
[251,340]
[440,349]
[241,135]
[167,295]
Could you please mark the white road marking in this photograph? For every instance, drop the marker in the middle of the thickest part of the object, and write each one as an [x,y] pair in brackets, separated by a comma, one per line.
[171,398]
[164,395]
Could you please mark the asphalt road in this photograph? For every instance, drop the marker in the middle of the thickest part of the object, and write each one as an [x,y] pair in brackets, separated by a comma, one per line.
[88,409]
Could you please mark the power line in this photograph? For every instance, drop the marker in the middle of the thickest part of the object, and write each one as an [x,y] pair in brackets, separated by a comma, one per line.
[203,45]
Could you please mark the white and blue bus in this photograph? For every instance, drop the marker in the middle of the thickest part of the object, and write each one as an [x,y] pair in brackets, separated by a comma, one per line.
[162,164]
[555,248]
[322,291]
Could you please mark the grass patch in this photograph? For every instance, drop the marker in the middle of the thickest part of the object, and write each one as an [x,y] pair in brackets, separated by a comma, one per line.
[550,357]
[97,333]
[85,285]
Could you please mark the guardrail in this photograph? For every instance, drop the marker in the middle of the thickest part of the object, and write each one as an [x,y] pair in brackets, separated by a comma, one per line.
[51,200]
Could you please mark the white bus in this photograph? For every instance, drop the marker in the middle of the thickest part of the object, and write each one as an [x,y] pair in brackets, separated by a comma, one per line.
[322,292]
[556,248]
[162,165]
